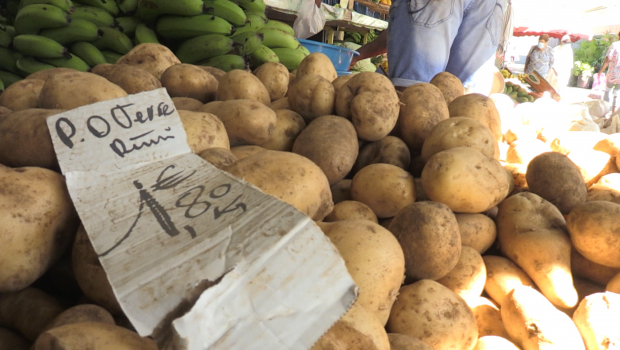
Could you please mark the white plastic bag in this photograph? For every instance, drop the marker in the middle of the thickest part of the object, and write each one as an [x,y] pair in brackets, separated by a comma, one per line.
[310,20]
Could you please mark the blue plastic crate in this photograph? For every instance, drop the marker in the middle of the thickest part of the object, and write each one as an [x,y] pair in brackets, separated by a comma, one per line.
[340,56]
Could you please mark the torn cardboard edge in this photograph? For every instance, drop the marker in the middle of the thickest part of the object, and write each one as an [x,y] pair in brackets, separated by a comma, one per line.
[164,222]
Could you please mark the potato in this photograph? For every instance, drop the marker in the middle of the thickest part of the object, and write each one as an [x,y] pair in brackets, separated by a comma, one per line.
[434,314]
[10,340]
[585,288]
[132,79]
[419,191]
[370,101]
[187,80]
[467,278]
[614,284]
[92,335]
[488,317]
[48,73]
[21,95]
[330,142]
[289,177]
[241,152]
[532,233]
[247,122]
[523,151]
[554,177]
[388,150]
[465,180]
[385,188]
[274,77]
[584,268]
[219,157]
[217,73]
[280,104]
[423,107]
[518,172]
[90,275]
[79,314]
[405,342]
[317,63]
[576,140]
[492,342]
[597,319]
[154,58]
[480,108]
[341,80]
[4,111]
[533,323]
[312,96]
[478,231]
[358,329]
[450,86]
[187,104]
[341,191]
[519,132]
[594,229]
[460,132]
[204,130]
[38,224]
[28,311]
[76,89]
[239,84]
[429,235]
[351,210]
[25,139]
[289,125]
[593,164]
[503,276]
[374,259]
[605,189]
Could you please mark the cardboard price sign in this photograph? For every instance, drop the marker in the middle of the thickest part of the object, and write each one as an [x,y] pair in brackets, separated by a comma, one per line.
[197,258]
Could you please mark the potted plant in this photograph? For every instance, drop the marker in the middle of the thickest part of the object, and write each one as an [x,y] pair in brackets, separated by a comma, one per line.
[583,71]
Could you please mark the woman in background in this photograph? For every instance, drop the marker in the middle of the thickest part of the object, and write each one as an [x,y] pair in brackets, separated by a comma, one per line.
[540,58]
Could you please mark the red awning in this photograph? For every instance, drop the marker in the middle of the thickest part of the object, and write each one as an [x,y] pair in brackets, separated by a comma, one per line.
[554,33]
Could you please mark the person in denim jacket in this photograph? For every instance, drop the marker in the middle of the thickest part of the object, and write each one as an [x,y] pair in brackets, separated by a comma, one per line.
[426,37]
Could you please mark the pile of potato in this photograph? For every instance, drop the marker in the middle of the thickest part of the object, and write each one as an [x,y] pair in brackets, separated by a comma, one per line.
[466,223]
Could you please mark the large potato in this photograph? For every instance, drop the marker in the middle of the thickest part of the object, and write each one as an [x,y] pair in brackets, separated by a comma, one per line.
[429,235]
[312,96]
[92,335]
[79,314]
[280,104]
[598,321]
[23,94]
[48,73]
[76,89]
[557,179]
[370,101]
[317,63]
[289,125]
[187,80]
[217,73]
[594,229]
[493,342]
[247,122]
[405,342]
[488,317]
[330,142]
[532,233]
[388,150]
[28,311]
[434,314]
[187,104]
[351,210]
[241,152]
[465,180]
[423,107]
[605,189]
[467,278]
[459,132]
[385,188]
[10,340]
[584,268]
[477,231]
[450,86]
[275,78]
[289,177]
[239,84]
[25,139]
[534,324]
[204,130]
[480,108]
[219,157]
[374,259]
[37,224]
[341,80]
[154,58]
[132,79]
[503,276]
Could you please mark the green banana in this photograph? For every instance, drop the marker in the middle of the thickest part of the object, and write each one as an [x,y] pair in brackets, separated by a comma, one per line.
[28,65]
[177,27]
[128,24]
[93,14]
[255,23]
[247,42]
[260,14]
[113,39]
[39,46]
[204,47]
[3,20]
[65,5]
[77,30]
[303,49]
[9,78]
[149,10]
[74,63]
[127,7]
[8,58]
[252,5]
[226,62]
[111,56]
[290,58]
[5,38]
[88,53]
[263,55]
[276,38]
[280,25]
[145,34]
[227,10]
[32,18]
[109,5]
[9,30]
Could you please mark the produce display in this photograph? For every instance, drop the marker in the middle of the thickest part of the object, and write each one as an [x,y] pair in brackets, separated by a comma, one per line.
[467,222]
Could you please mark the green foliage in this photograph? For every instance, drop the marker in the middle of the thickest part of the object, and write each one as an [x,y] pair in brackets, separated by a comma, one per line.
[582,67]
[591,54]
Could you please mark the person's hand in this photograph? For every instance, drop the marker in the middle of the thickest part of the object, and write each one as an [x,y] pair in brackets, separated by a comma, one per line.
[354,61]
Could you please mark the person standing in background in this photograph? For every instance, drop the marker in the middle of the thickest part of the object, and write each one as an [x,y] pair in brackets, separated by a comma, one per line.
[612,61]
[564,60]
[540,58]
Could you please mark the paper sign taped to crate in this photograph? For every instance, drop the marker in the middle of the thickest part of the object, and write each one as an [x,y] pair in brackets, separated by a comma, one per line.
[197,258]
